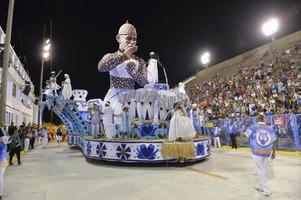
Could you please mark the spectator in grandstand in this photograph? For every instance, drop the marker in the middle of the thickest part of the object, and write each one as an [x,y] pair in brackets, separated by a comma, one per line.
[262,141]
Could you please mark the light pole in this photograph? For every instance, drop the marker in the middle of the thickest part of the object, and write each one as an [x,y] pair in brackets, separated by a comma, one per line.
[269,28]
[205,59]
[45,56]
[5,61]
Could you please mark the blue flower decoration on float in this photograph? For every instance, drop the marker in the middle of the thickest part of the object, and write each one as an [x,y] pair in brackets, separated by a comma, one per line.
[147,153]
[89,147]
[147,130]
[72,140]
[123,152]
[101,150]
[199,149]
[208,147]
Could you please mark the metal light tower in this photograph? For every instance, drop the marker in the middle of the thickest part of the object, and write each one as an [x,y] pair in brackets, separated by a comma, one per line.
[45,56]
[5,61]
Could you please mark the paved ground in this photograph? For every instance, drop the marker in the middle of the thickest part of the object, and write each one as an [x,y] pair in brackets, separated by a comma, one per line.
[60,173]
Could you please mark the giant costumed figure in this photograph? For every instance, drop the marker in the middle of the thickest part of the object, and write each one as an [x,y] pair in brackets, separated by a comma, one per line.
[124,66]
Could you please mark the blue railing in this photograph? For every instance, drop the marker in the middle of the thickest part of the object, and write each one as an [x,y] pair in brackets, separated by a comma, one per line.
[286,127]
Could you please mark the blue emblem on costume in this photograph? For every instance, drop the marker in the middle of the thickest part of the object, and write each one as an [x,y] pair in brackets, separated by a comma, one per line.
[261,139]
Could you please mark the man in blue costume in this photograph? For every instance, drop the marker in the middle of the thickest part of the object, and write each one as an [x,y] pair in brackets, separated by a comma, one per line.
[262,141]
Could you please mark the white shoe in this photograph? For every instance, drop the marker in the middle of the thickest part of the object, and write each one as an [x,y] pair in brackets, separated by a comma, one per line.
[259,189]
[267,194]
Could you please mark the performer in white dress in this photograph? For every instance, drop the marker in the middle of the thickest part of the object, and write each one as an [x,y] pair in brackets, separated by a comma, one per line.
[181,126]
[67,89]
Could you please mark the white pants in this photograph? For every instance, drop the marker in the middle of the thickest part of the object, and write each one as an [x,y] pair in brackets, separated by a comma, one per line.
[44,140]
[26,144]
[59,139]
[217,142]
[109,130]
[261,165]
[1,180]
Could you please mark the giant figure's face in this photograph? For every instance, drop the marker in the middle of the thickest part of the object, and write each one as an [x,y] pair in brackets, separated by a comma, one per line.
[127,36]
[126,41]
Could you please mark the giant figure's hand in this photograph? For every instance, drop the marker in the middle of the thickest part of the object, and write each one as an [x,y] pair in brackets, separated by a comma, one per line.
[129,51]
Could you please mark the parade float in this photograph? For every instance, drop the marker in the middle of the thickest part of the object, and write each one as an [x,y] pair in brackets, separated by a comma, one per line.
[150,109]
[148,142]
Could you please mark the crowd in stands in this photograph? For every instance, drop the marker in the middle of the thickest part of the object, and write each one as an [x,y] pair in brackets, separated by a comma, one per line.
[270,85]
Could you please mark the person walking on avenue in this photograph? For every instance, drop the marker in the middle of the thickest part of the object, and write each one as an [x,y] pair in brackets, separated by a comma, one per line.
[44,135]
[59,135]
[262,142]
[15,147]
[232,132]
[216,134]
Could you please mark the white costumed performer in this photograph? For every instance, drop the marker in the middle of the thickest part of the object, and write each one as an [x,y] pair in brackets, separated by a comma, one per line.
[67,89]
[180,125]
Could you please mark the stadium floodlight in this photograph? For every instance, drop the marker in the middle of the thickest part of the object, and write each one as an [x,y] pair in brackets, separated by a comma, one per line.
[205,58]
[47,41]
[47,47]
[270,27]
[46,55]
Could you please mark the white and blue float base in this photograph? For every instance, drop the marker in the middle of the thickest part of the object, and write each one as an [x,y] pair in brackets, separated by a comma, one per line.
[132,151]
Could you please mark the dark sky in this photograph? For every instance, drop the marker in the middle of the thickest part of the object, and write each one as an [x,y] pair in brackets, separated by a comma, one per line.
[83,31]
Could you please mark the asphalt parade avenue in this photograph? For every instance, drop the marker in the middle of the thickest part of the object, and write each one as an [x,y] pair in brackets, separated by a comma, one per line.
[62,173]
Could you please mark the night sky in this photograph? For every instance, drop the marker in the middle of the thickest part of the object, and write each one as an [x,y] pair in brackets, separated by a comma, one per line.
[83,31]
